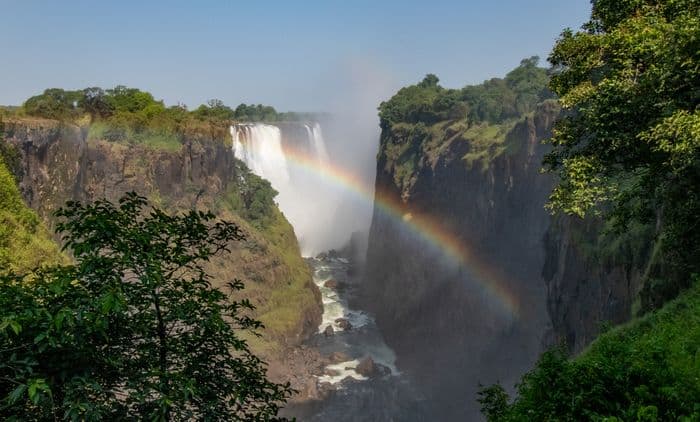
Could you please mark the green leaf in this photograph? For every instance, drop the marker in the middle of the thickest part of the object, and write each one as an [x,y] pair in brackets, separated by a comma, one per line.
[17,393]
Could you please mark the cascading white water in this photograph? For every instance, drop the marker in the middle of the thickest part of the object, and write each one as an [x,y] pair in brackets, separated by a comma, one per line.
[308,201]
[266,159]
[319,144]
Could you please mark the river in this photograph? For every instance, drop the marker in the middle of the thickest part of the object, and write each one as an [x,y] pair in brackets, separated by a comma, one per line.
[385,395]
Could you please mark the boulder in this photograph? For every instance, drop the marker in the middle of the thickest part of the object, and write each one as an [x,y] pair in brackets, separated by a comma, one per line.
[331,284]
[344,324]
[337,357]
[328,331]
[366,367]
[331,372]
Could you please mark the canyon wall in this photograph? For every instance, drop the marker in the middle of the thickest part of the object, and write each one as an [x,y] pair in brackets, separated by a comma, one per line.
[489,193]
[59,163]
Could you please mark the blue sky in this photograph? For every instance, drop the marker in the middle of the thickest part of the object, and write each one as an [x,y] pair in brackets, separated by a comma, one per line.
[301,55]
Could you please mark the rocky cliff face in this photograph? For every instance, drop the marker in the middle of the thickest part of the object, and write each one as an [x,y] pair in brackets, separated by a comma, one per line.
[566,278]
[446,331]
[59,164]
[593,279]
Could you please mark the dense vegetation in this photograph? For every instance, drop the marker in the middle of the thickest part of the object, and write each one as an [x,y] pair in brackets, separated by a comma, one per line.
[134,330]
[130,115]
[627,150]
[647,370]
[422,119]
[630,86]
[494,101]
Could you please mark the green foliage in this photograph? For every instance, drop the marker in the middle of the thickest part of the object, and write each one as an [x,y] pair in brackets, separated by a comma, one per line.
[134,330]
[251,197]
[129,115]
[413,104]
[214,110]
[630,86]
[54,103]
[255,113]
[646,370]
[420,120]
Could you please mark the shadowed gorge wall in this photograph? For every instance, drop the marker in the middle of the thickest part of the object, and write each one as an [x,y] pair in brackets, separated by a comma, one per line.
[445,330]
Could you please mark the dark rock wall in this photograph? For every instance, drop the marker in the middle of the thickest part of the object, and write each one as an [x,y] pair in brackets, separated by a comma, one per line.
[447,333]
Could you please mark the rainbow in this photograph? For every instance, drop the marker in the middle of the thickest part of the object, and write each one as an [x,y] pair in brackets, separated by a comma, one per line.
[489,279]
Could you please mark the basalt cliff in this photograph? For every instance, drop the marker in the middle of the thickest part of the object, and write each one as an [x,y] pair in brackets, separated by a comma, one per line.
[58,162]
[530,280]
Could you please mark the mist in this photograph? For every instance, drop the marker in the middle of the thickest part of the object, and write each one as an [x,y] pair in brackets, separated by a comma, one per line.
[352,94]
[324,170]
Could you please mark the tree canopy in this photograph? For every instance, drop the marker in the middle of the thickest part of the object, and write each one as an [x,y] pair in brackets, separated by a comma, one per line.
[629,83]
[134,330]
[493,101]
[131,115]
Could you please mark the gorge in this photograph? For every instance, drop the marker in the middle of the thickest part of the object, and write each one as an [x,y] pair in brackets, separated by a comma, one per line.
[393,295]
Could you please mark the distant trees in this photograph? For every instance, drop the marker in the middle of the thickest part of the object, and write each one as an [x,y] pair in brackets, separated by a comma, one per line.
[131,115]
[493,101]
[134,330]
[214,109]
[94,101]
[54,103]
[255,113]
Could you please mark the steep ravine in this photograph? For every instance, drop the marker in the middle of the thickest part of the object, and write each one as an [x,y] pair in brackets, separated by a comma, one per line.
[446,331]
[60,164]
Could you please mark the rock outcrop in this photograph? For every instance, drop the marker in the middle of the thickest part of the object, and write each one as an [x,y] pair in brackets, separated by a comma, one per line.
[59,163]
[455,324]
[593,279]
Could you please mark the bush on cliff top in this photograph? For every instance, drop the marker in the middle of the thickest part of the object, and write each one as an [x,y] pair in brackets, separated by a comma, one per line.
[493,101]
[124,114]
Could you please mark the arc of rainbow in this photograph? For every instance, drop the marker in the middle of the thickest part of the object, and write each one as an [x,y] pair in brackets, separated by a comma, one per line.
[428,229]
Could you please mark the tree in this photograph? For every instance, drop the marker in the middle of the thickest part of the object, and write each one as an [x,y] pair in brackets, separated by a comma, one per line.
[430,81]
[53,103]
[629,83]
[95,102]
[133,330]
[214,110]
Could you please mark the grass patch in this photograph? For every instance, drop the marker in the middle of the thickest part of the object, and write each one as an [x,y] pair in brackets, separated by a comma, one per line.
[486,142]
[153,139]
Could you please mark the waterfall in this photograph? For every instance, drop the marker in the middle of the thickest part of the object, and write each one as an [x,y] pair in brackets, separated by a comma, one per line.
[314,133]
[260,147]
[272,152]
